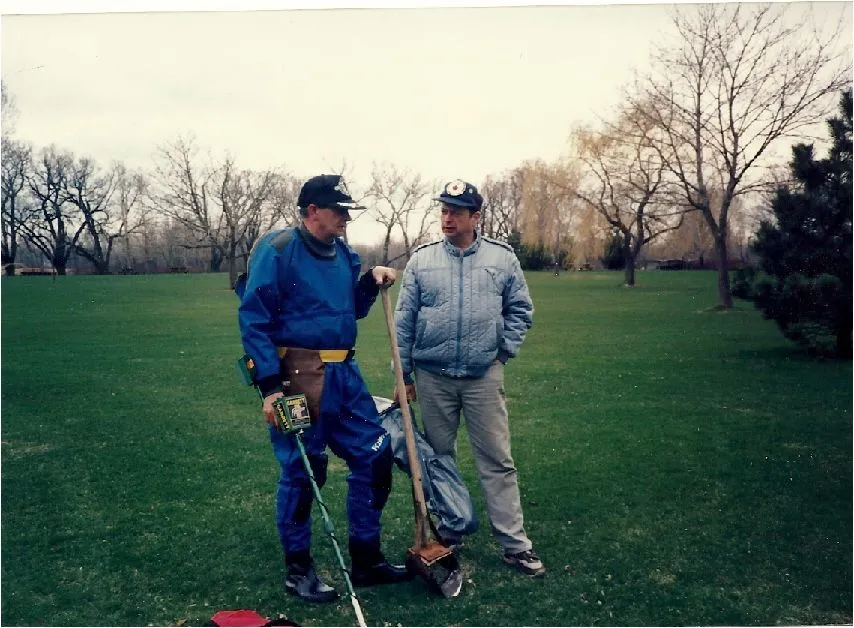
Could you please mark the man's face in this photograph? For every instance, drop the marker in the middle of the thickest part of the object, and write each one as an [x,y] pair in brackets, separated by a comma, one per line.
[332,222]
[458,222]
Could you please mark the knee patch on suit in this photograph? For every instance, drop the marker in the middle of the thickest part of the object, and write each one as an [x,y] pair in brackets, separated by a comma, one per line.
[306,495]
[302,510]
[381,478]
[318,468]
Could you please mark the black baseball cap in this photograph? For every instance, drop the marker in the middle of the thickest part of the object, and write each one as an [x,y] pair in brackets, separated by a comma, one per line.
[327,190]
[461,194]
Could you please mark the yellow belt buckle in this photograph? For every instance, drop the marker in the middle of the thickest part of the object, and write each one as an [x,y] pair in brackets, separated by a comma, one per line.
[333,355]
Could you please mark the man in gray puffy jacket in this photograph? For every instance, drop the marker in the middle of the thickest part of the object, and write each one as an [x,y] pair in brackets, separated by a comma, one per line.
[462,313]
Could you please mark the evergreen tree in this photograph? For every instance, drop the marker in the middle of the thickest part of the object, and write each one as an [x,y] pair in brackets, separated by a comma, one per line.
[614,256]
[806,251]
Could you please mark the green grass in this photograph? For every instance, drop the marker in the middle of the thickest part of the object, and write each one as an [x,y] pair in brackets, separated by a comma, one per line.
[679,465]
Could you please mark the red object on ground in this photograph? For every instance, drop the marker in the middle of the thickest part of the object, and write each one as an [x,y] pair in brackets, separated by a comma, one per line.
[239,618]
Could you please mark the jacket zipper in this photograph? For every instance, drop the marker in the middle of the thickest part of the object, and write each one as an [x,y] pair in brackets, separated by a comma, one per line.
[460,322]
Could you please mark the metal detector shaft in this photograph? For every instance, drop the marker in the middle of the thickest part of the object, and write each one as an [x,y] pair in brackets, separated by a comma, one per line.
[330,529]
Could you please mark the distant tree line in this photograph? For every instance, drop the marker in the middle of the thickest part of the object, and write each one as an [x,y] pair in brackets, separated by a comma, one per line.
[681,169]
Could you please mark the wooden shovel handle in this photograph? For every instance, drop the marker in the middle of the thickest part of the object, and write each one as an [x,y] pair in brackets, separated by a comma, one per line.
[420,504]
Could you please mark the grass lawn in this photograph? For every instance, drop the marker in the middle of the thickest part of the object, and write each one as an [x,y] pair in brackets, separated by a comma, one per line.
[678,465]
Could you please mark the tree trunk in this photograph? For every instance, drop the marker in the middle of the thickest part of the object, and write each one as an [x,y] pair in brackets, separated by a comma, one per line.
[386,244]
[59,259]
[216,259]
[630,269]
[232,267]
[724,293]
[10,249]
[100,266]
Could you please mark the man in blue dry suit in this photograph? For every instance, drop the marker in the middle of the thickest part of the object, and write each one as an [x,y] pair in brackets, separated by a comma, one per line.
[298,309]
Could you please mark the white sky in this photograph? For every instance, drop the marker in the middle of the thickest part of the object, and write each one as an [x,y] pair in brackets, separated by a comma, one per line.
[446,92]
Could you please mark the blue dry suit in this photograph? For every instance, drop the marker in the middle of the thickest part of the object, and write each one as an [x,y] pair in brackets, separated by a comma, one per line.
[303,293]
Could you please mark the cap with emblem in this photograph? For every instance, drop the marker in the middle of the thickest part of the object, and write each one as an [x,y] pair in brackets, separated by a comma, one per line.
[461,194]
[327,190]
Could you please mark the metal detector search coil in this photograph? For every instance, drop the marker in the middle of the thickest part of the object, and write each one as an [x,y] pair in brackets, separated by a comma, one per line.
[292,414]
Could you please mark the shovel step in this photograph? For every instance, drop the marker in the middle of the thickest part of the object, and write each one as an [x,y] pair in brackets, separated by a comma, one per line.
[431,553]
[439,566]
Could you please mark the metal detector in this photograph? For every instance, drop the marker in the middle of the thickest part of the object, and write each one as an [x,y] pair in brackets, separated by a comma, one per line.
[292,419]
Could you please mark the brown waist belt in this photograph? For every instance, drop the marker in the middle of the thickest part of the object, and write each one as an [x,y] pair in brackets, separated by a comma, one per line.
[325,355]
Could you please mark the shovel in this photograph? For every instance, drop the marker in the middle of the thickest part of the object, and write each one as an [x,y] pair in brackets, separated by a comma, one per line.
[428,558]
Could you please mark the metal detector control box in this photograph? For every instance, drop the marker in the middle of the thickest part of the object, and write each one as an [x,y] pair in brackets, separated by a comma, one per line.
[292,414]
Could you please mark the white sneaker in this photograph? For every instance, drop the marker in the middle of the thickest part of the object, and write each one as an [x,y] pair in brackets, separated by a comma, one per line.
[528,562]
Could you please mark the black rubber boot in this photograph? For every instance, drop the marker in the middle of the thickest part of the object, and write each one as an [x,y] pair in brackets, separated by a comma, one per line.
[370,567]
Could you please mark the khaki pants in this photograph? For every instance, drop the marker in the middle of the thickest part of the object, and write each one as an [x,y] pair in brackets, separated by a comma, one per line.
[482,402]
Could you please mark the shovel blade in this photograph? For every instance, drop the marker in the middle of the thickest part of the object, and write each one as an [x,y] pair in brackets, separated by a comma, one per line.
[439,566]
[453,584]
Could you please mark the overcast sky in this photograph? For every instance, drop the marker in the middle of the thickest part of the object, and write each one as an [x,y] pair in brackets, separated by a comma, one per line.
[447,92]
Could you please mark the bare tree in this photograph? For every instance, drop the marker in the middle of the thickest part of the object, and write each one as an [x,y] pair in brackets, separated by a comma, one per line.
[55,231]
[563,180]
[284,197]
[740,78]
[627,183]
[416,224]
[591,232]
[90,191]
[243,197]
[537,206]
[502,198]
[15,159]
[221,206]
[108,204]
[549,209]
[182,192]
[692,240]
[131,212]
[168,246]
[283,211]
[400,200]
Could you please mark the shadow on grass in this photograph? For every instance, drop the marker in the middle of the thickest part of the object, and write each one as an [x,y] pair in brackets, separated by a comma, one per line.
[720,309]
[791,354]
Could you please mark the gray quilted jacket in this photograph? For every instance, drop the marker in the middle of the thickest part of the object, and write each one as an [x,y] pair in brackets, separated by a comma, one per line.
[460,310]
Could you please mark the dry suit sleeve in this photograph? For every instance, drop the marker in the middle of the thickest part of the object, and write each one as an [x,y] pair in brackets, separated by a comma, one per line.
[365,288]
[257,313]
